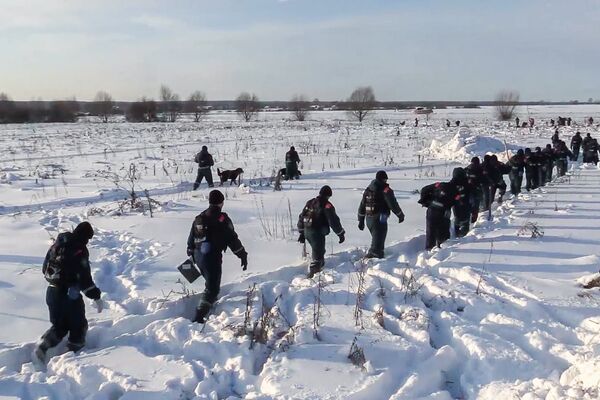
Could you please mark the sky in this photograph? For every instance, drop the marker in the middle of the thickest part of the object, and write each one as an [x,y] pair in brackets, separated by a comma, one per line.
[405,49]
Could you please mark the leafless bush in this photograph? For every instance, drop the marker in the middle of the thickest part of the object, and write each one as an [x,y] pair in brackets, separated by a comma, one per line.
[103,106]
[361,274]
[531,229]
[170,104]
[300,107]
[506,102]
[243,329]
[361,102]
[317,307]
[197,105]
[357,354]
[379,317]
[247,106]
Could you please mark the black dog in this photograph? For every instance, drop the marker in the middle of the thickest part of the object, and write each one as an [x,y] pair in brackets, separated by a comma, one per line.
[230,175]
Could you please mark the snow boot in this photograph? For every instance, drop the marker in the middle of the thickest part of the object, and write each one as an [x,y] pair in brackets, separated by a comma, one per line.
[202,312]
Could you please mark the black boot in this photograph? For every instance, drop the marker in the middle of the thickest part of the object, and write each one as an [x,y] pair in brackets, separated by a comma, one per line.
[202,312]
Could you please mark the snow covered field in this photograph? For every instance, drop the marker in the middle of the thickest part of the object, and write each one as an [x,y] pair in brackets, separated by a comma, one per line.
[495,315]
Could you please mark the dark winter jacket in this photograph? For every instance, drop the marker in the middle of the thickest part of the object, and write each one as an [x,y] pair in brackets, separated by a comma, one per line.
[382,198]
[517,164]
[319,214]
[441,196]
[204,159]
[576,141]
[474,174]
[292,156]
[216,229]
[75,268]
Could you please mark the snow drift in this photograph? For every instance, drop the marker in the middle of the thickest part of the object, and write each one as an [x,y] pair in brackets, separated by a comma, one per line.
[466,145]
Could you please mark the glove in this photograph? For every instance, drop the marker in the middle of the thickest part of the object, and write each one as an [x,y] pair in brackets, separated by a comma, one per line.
[342,238]
[301,238]
[190,252]
[361,225]
[401,218]
[99,305]
[93,294]
[244,260]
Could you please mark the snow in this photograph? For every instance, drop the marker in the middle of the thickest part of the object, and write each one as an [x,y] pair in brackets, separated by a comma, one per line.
[496,314]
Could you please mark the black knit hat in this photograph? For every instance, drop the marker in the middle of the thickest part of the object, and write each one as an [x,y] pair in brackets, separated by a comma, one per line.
[215,197]
[83,231]
[204,148]
[325,191]
[381,175]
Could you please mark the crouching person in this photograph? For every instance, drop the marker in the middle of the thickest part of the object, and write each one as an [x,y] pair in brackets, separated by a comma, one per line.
[314,223]
[211,233]
[67,270]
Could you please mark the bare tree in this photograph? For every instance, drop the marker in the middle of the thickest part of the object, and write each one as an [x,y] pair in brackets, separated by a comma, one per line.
[361,102]
[103,105]
[144,110]
[197,105]
[170,106]
[7,107]
[300,107]
[247,105]
[506,102]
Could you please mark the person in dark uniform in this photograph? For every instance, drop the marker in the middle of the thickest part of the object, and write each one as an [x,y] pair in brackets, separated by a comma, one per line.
[496,171]
[439,198]
[542,166]
[576,145]
[314,223]
[563,154]
[550,158]
[486,183]
[211,234]
[292,159]
[205,162]
[517,122]
[586,147]
[475,178]
[555,139]
[463,205]
[531,173]
[67,270]
[377,203]
[517,167]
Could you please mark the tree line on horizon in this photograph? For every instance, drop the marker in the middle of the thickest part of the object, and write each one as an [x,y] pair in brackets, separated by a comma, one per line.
[169,107]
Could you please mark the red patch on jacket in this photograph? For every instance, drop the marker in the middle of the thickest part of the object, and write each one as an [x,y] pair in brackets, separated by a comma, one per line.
[222,218]
[328,205]
[387,189]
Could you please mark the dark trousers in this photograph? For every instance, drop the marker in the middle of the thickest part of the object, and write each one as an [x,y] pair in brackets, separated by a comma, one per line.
[542,175]
[486,197]
[205,173]
[476,202]
[291,169]
[378,227]
[462,214]
[562,165]
[437,227]
[531,177]
[211,268]
[575,151]
[516,181]
[549,167]
[316,239]
[67,316]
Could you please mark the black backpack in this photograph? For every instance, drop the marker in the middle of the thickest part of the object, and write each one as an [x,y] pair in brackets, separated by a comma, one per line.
[373,200]
[312,214]
[55,270]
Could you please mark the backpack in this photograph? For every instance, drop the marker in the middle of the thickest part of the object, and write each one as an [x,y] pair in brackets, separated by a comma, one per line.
[55,269]
[373,200]
[312,214]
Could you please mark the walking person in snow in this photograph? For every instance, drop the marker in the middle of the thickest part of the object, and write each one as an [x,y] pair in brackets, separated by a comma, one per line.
[211,234]
[563,154]
[67,270]
[550,157]
[576,145]
[475,178]
[439,198]
[463,205]
[517,167]
[205,162]
[377,203]
[531,170]
[316,220]
[292,159]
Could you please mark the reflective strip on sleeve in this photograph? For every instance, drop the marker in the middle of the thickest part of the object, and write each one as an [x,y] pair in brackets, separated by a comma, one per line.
[238,250]
[88,289]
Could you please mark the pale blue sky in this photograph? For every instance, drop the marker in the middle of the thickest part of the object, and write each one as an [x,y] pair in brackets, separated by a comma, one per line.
[405,49]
